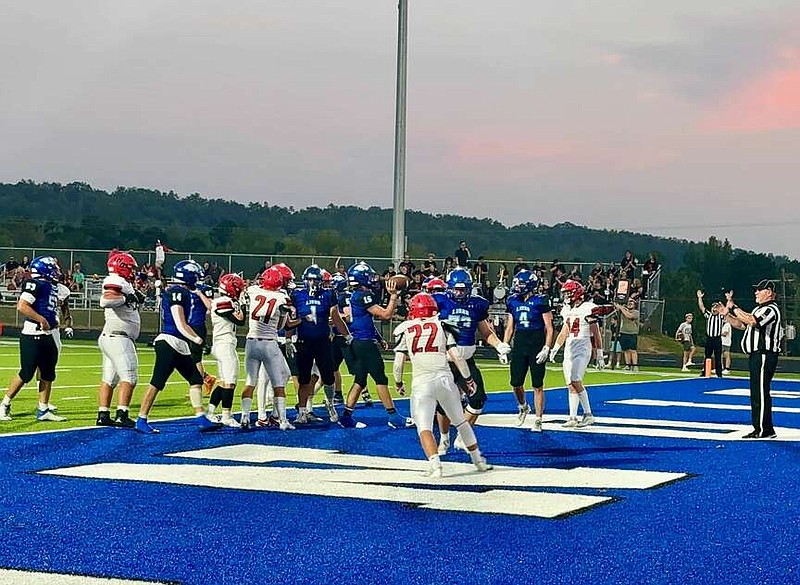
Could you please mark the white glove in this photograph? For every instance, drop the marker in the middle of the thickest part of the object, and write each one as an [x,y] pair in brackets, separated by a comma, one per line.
[542,356]
[503,348]
[503,357]
[69,332]
[554,352]
[601,360]
[348,339]
[290,349]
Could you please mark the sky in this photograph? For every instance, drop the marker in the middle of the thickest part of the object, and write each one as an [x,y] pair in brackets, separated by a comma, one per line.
[677,118]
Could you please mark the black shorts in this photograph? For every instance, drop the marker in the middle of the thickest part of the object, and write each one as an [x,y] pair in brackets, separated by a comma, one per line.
[314,350]
[475,402]
[367,360]
[37,351]
[628,341]
[527,344]
[196,351]
[168,360]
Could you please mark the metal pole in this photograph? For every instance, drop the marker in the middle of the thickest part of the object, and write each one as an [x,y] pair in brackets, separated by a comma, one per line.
[399,215]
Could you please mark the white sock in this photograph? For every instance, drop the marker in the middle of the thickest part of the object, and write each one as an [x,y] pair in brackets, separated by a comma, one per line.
[42,406]
[280,404]
[574,400]
[196,396]
[247,403]
[122,407]
[584,399]
[467,434]
[261,399]
[6,401]
[103,409]
[211,409]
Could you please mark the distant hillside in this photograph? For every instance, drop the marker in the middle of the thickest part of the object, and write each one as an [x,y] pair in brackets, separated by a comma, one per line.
[76,215]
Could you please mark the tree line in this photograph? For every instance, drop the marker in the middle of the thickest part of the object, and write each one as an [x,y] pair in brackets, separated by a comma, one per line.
[76,215]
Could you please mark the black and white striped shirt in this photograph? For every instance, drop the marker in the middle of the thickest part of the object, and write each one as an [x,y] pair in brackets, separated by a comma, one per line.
[767,333]
[713,324]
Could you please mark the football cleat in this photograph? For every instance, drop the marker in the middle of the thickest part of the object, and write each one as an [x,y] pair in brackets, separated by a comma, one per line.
[312,417]
[52,407]
[285,425]
[587,420]
[537,425]
[434,472]
[301,418]
[142,426]
[398,421]
[205,424]
[523,414]
[5,412]
[332,414]
[104,419]
[346,421]
[482,465]
[245,424]
[444,444]
[571,423]
[123,420]
[49,416]
[230,422]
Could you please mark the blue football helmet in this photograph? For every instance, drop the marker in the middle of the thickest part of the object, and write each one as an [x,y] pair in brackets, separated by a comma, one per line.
[361,274]
[459,283]
[312,278]
[188,272]
[525,282]
[45,267]
[339,282]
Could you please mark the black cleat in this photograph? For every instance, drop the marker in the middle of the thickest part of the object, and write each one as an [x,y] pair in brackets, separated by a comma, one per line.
[104,419]
[752,435]
[124,421]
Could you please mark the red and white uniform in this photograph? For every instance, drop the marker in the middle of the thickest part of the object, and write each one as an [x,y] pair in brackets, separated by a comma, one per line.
[266,318]
[223,339]
[578,344]
[121,329]
[426,341]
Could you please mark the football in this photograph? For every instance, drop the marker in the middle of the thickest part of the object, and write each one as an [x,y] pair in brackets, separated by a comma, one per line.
[399,282]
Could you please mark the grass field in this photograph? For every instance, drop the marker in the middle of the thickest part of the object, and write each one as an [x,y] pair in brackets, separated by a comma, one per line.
[75,389]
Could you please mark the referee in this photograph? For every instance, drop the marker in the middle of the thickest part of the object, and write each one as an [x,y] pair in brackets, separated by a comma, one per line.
[714,322]
[761,341]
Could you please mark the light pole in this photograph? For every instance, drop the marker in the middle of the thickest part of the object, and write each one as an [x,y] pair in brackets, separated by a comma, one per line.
[399,202]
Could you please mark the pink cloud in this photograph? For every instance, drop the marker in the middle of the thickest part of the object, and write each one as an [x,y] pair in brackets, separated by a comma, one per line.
[769,102]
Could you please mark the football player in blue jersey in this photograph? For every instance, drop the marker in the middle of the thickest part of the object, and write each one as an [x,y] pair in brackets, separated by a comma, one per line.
[173,346]
[469,314]
[367,359]
[530,322]
[201,298]
[38,347]
[342,351]
[316,306]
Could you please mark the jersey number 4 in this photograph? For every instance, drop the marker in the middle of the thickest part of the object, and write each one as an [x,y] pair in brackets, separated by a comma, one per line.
[416,332]
[575,327]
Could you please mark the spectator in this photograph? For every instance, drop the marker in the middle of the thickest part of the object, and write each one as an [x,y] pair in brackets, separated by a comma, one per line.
[520,265]
[502,276]
[429,266]
[629,333]
[26,261]
[480,270]
[684,335]
[214,272]
[727,339]
[78,277]
[615,349]
[448,266]
[462,255]
[627,266]
[161,257]
[415,285]
[649,268]
[407,264]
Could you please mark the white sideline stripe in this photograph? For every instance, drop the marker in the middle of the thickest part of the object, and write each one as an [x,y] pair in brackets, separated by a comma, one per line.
[746,392]
[12,576]
[642,427]
[346,484]
[396,470]
[75,398]
[709,405]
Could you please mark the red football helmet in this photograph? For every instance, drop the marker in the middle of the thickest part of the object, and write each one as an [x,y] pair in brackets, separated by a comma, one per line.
[422,306]
[122,264]
[435,284]
[573,292]
[287,276]
[327,279]
[272,279]
[231,285]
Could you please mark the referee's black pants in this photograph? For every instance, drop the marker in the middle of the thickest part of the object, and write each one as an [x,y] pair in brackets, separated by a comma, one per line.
[714,348]
[762,369]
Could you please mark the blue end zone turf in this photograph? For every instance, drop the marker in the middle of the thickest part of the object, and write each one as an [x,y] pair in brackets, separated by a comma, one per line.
[669,494]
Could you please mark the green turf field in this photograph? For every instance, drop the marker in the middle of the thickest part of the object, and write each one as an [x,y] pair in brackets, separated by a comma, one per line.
[78,377]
